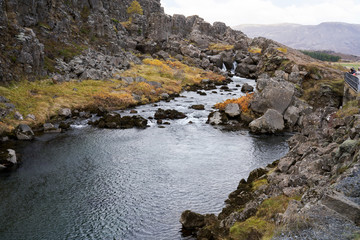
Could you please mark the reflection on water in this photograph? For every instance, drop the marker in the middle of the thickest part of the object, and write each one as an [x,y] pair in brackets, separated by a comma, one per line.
[129,184]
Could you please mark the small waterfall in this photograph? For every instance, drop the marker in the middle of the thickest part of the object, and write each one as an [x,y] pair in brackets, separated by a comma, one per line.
[234,67]
[224,69]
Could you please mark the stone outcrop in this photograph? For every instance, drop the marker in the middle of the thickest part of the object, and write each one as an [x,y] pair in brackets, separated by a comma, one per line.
[51,38]
[271,122]
[24,132]
[317,181]
[115,121]
[168,114]
[275,94]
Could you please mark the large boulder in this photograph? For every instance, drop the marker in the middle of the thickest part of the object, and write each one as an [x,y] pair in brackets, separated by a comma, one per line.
[216,60]
[233,110]
[115,121]
[271,122]
[24,132]
[272,94]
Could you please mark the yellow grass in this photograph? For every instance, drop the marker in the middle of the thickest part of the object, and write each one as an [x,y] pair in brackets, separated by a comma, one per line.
[43,98]
[255,50]
[220,47]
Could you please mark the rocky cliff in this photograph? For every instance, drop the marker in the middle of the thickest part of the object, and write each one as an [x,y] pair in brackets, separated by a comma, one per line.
[38,36]
[311,193]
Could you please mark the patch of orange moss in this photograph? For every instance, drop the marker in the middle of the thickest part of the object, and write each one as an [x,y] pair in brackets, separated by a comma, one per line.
[243,102]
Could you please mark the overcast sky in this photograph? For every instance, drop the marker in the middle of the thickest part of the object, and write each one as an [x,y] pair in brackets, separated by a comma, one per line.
[235,12]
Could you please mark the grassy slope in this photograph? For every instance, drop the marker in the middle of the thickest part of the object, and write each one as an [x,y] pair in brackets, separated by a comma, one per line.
[44,98]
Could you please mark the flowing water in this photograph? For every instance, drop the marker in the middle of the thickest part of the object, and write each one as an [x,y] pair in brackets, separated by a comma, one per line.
[130,184]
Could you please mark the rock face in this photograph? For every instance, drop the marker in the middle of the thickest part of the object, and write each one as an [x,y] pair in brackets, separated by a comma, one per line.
[273,94]
[271,122]
[39,35]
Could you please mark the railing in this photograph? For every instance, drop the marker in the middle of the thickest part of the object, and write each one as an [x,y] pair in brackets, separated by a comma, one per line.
[352,81]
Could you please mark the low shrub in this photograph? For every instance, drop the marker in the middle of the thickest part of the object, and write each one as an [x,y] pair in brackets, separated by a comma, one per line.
[243,102]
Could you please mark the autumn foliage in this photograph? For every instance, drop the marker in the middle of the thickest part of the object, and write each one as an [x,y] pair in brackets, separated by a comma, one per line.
[243,102]
[110,100]
[135,8]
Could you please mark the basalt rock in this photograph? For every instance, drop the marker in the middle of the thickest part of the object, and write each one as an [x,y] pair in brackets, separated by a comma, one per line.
[247,88]
[271,122]
[168,114]
[198,107]
[115,121]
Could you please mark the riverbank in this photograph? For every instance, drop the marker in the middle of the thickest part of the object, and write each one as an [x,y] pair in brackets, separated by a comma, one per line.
[29,108]
[315,185]
[132,183]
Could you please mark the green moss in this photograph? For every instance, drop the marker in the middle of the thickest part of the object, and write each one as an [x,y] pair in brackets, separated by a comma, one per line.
[261,226]
[257,184]
[85,30]
[357,236]
[13,59]
[85,12]
[252,228]
[55,49]
[270,207]
[313,87]
[349,109]
[44,25]
[115,21]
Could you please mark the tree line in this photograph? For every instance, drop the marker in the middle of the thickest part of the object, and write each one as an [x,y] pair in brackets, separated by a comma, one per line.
[321,56]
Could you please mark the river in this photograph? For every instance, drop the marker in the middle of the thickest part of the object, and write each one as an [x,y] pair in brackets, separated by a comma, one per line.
[91,183]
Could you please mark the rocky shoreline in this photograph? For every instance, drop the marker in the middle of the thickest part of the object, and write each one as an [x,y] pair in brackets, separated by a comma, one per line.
[315,185]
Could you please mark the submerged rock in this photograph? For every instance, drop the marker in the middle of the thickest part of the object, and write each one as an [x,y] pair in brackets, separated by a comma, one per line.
[191,220]
[168,114]
[198,107]
[115,121]
[8,159]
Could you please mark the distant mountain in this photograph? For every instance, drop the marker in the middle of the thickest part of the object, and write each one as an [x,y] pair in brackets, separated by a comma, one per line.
[334,36]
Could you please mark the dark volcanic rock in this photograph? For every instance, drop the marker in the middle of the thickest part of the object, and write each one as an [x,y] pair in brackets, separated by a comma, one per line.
[247,88]
[192,220]
[198,107]
[115,121]
[168,114]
